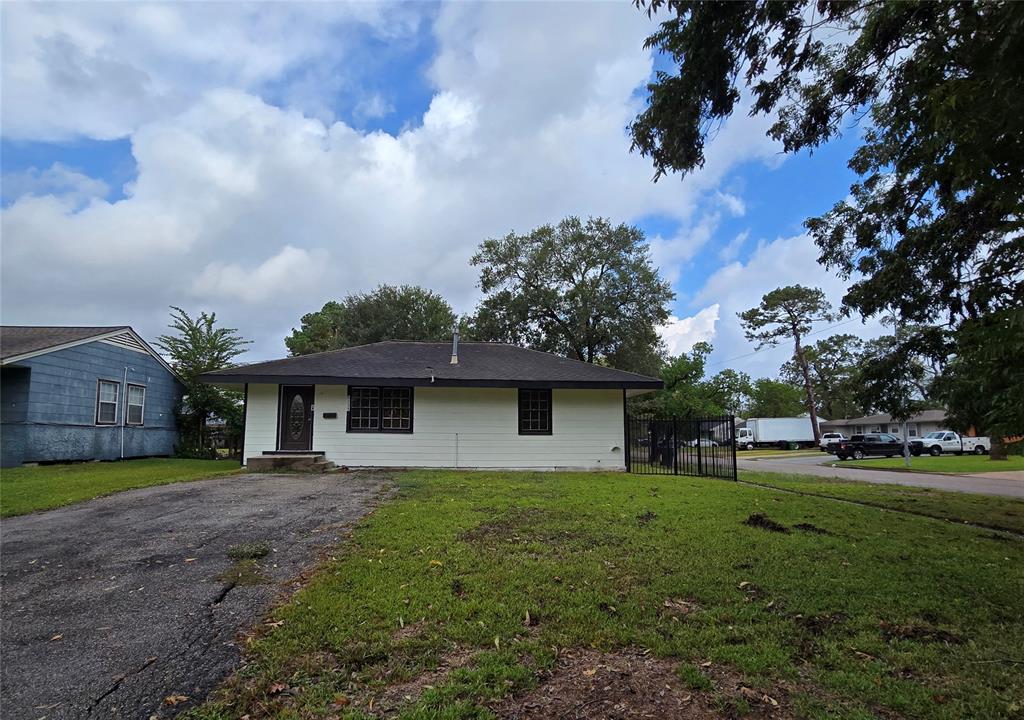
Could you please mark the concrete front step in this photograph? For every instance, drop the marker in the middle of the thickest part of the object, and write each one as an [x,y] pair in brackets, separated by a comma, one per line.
[311,463]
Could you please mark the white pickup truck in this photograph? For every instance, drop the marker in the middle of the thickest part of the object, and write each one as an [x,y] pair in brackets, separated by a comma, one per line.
[947,441]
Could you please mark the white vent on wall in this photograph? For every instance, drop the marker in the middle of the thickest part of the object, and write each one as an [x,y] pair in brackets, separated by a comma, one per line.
[126,340]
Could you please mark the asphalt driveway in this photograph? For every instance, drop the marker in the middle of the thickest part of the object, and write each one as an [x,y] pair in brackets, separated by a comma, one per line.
[113,606]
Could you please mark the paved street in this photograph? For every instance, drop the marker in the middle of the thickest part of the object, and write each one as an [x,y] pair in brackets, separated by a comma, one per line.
[112,605]
[1004,484]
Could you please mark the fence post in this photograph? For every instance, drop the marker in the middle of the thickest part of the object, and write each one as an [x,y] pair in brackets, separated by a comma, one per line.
[700,464]
[628,436]
[732,446]
[675,445]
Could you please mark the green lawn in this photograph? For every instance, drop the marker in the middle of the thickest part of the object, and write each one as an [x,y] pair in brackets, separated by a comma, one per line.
[768,452]
[27,489]
[957,464]
[477,593]
[1005,513]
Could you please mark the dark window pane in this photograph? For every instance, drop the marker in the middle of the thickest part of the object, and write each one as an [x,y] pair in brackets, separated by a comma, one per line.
[108,412]
[534,411]
[134,414]
[396,408]
[365,406]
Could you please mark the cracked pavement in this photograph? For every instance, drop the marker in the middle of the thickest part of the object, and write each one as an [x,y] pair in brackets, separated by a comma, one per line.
[110,606]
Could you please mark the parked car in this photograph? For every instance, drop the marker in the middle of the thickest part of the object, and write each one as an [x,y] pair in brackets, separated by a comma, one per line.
[944,441]
[829,439]
[704,442]
[860,446]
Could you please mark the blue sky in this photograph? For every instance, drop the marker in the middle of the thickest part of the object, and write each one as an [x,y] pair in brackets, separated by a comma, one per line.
[259,160]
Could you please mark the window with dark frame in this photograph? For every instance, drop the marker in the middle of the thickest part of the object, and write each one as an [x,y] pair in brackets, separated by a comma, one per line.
[535,412]
[380,409]
[135,404]
[106,402]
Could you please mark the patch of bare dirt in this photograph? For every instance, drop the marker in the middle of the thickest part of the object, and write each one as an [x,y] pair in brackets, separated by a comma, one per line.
[920,633]
[389,700]
[760,520]
[630,684]
[678,607]
[408,630]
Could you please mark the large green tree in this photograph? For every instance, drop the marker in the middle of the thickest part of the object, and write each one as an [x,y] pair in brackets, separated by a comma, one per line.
[832,362]
[983,386]
[197,346]
[731,390]
[774,398]
[789,313]
[587,290]
[933,229]
[686,393]
[387,313]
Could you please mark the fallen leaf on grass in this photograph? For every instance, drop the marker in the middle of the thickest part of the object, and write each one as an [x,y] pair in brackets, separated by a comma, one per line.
[274,623]
[679,605]
[278,688]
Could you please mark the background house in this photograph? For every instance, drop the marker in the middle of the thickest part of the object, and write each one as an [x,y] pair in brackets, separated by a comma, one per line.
[920,424]
[424,405]
[83,393]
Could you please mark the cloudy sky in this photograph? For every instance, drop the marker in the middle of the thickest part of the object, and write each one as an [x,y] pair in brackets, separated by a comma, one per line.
[259,160]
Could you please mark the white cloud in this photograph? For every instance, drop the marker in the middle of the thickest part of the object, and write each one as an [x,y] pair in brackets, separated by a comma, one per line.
[102,70]
[262,213]
[285,274]
[372,107]
[681,334]
[731,250]
[57,180]
[734,204]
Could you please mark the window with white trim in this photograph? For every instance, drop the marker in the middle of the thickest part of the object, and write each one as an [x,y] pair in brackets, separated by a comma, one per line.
[106,402]
[135,405]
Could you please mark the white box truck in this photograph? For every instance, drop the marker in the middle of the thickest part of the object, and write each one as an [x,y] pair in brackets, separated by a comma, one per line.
[774,432]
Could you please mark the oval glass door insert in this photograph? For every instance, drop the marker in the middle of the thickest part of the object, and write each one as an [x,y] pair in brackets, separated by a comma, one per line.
[296,418]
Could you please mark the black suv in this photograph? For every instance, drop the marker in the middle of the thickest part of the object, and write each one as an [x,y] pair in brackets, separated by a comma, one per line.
[860,446]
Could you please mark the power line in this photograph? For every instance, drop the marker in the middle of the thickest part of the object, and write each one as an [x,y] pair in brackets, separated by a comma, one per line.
[773,347]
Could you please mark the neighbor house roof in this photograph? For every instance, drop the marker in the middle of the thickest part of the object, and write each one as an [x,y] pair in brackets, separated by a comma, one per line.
[480,364]
[16,340]
[938,416]
[21,342]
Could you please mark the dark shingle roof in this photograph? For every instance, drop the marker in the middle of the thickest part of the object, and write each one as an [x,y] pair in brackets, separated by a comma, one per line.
[21,339]
[938,416]
[415,363]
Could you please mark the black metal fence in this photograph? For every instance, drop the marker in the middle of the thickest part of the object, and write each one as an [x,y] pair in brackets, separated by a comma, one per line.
[681,446]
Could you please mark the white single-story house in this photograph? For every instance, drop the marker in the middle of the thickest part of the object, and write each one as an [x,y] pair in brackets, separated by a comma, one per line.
[419,404]
[919,424]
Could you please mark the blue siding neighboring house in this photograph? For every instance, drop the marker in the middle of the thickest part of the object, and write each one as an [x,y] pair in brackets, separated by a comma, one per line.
[73,393]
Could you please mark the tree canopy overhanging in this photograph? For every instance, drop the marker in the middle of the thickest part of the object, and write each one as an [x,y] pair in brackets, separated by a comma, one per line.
[933,229]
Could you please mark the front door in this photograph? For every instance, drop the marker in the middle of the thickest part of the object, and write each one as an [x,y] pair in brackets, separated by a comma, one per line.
[296,421]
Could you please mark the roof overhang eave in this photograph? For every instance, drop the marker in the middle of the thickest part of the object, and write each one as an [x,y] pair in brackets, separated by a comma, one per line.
[238,379]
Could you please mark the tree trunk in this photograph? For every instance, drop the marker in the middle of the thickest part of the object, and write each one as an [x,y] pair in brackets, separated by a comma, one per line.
[808,388]
[998,449]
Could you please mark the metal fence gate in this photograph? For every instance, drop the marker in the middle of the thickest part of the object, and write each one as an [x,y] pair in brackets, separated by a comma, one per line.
[681,446]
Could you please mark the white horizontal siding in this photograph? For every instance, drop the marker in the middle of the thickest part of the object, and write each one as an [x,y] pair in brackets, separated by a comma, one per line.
[478,427]
[260,420]
[457,427]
